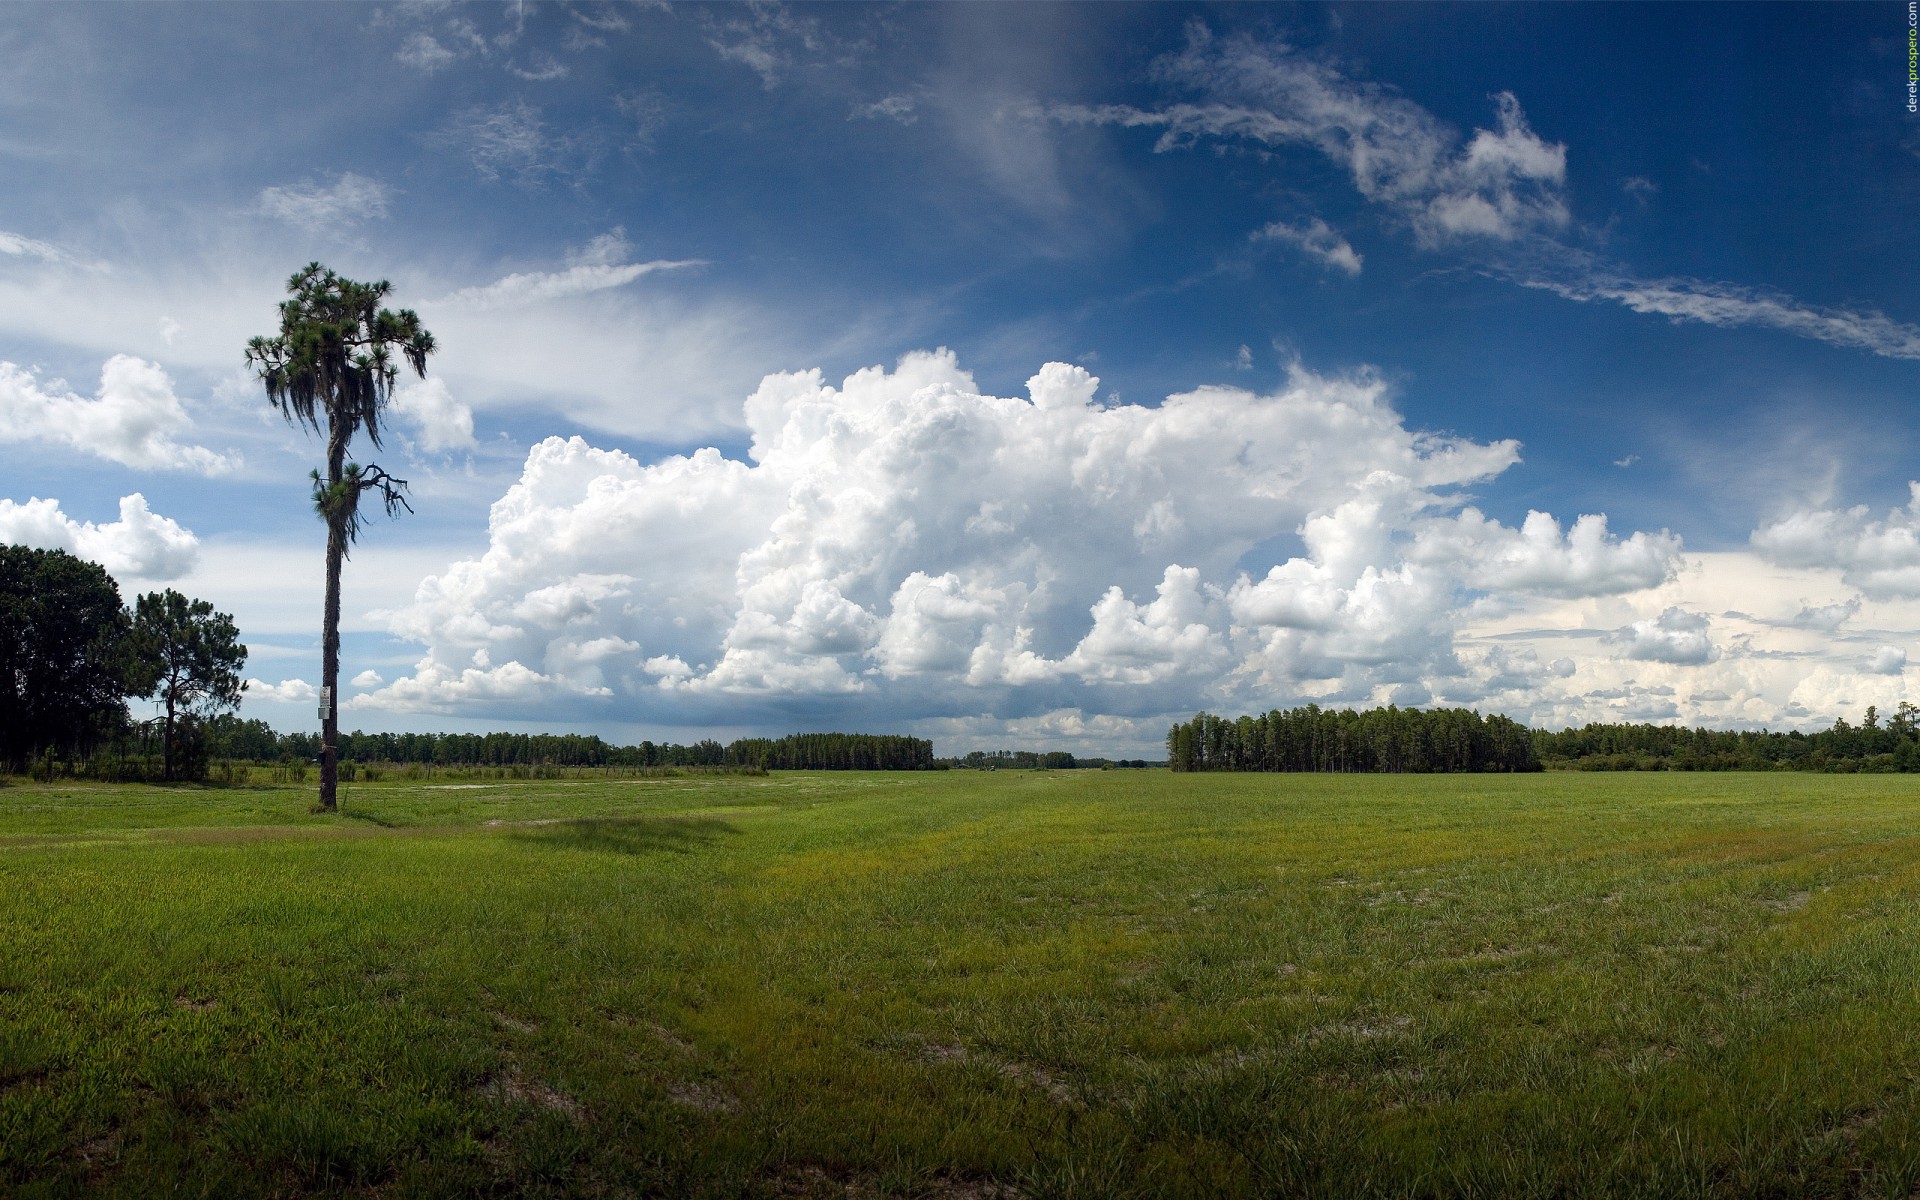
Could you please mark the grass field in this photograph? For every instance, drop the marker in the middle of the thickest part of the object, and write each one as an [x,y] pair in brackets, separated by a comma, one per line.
[966,985]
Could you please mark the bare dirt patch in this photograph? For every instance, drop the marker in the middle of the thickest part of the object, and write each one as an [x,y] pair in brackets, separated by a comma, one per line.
[514,1088]
[703,1096]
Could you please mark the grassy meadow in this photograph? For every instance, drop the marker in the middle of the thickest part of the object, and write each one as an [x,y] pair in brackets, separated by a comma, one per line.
[1033,984]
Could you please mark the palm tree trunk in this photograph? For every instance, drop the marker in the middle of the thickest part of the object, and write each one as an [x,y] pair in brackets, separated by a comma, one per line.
[330,669]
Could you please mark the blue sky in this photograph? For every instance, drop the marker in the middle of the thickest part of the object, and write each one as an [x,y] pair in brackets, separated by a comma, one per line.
[1415,272]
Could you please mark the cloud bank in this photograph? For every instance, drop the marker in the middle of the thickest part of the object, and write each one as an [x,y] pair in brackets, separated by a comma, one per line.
[904,545]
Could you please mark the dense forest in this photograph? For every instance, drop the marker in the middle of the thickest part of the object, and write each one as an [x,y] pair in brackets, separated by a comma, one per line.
[1378,740]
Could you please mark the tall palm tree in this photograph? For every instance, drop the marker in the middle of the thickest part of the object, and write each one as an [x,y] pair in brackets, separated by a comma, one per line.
[332,369]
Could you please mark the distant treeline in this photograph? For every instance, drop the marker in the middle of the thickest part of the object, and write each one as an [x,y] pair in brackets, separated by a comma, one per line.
[1869,746]
[258,742]
[834,752]
[1387,739]
[1457,739]
[1039,760]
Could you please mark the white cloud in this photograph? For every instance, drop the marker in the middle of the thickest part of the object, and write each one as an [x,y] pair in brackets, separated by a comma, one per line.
[510,139]
[132,419]
[1319,241]
[19,246]
[287,691]
[442,422]
[1499,184]
[1502,191]
[646,114]
[644,359]
[906,543]
[1675,636]
[533,287]
[1586,561]
[764,40]
[1880,557]
[432,688]
[423,52]
[1827,617]
[348,200]
[368,678]
[141,543]
[1729,305]
[1138,644]
[1885,660]
[898,107]
[540,68]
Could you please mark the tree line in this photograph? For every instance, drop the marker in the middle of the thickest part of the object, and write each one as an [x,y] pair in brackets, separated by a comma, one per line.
[1892,745]
[71,657]
[1038,760]
[1387,739]
[257,742]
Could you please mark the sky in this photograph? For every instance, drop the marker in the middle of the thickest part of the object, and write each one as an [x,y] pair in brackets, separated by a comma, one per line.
[1013,375]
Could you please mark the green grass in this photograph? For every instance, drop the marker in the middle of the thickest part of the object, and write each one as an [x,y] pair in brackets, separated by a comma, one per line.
[961,984]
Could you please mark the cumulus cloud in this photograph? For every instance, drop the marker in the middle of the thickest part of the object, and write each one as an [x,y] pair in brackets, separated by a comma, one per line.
[1318,241]
[1880,557]
[907,543]
[439,421]
[1827,617]
[346,201]
[132,419]
[1885,660]
[287,691]
[368,678]
[141,543]
[1585,561]
[433,687]
[1675,636]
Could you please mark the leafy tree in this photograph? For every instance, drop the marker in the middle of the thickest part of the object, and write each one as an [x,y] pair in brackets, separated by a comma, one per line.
[331,368]
[62,670]
[189,656]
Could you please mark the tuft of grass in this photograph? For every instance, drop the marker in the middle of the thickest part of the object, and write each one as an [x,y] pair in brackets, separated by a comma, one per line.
[965,985]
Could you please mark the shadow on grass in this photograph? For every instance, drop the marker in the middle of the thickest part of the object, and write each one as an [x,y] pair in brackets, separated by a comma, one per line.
[628,835]
[362,814]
